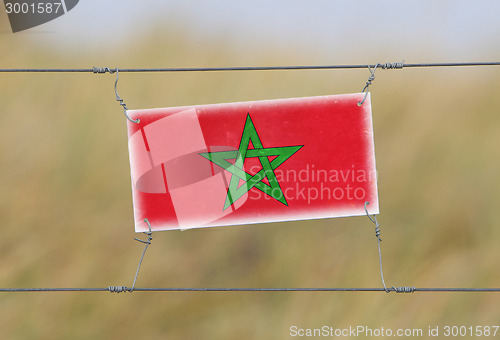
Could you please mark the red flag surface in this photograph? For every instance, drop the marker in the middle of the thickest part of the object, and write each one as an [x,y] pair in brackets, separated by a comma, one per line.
[252,162]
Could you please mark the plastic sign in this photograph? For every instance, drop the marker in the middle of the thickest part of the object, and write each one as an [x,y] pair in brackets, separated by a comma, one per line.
[252,162]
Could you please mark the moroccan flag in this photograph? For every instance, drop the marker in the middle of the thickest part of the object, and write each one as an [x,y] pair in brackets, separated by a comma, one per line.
[252,162]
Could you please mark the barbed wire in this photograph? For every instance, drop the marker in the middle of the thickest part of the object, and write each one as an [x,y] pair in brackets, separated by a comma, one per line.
[398,65]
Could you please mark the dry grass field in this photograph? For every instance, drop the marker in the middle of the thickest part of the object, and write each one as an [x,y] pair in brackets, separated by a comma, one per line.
[66,211]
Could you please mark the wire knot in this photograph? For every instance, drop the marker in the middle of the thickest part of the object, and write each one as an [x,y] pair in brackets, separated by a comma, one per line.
[392,66]
[374,220]
[378,232]
[148,241]
[148,233]
[118,289]
[103,70]
[403,289]
[368,83]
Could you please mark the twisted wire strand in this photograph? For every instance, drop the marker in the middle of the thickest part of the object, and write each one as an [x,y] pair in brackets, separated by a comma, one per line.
[123,289]
[379,239]
[147,243]
[118,99]
[368,83]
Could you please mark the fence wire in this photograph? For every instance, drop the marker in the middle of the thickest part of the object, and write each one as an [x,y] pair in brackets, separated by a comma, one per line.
[123,289]
[397,65]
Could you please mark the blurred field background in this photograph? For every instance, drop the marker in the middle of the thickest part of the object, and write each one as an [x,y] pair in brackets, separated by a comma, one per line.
[66,211]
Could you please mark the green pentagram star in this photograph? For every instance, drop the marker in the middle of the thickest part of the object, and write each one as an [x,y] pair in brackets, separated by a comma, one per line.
[236,191]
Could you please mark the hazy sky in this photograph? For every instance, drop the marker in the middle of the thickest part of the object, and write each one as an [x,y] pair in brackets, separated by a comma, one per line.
[430,29]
